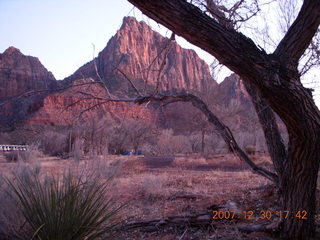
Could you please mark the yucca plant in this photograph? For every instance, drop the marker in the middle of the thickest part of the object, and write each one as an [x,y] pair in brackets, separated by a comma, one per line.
[66,208]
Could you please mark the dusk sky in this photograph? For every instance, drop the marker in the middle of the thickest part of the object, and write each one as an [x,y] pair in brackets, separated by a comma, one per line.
[61,33]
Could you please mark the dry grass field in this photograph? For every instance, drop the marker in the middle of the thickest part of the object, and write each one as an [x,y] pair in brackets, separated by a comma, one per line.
[162,187]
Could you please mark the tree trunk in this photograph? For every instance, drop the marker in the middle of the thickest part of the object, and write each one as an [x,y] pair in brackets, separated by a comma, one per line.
[203,133]
[298,187]
[267,119]
[276,79]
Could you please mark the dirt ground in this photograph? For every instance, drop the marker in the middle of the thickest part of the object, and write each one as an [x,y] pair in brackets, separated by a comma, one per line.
[165,186]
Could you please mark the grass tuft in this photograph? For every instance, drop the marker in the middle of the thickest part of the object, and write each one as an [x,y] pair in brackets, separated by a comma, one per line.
[68,207]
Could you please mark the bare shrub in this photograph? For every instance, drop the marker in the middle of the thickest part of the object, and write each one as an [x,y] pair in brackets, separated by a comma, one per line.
[32,154]
[91,138]
[195,140]
[153,187]
[168,143]
[54,143]
[77,151]
[102,169]
[250,149]
[130,134]
[215,145]
[11,156]
[5,138]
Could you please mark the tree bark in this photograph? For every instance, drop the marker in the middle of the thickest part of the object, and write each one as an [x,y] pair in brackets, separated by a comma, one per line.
[298,185]
[267,119]
[203,133]
[275,77]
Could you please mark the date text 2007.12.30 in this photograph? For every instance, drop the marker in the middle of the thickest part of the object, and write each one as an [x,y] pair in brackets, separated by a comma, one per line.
[263,214]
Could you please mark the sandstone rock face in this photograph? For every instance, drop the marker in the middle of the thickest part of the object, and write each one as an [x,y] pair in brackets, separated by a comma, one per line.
[138,51]
[68,107]
[232,92]
[20,74]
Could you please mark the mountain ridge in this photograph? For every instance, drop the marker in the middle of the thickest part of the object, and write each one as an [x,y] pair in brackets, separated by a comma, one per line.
[137,51]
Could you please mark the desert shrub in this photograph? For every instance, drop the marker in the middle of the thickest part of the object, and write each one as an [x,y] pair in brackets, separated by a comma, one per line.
[54,143]
[195,142]
[11,156]
[12,222]
[214,144]
[32,154]
[149,149]
[250,149]
[25,156]
[168,143]
[153,187]
[65,208]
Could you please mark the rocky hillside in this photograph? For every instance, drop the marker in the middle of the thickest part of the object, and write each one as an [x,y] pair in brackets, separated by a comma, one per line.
[138,52]
[21,74]
[72,107]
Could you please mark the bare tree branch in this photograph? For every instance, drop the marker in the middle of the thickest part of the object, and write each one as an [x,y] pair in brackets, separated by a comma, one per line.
[222,129]
[129,80]
[100,81]
[163,63]
[34,92]
[301,32]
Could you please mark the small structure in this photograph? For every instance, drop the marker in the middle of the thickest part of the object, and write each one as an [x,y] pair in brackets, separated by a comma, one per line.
[6,148]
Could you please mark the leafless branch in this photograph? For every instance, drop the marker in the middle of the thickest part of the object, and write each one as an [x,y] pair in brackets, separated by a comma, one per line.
[102,83]
[34,92]
[129,80]
[230,14]
[222,129]
[164,61]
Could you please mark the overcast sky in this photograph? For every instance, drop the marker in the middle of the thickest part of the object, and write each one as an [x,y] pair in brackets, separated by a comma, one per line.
[61,32]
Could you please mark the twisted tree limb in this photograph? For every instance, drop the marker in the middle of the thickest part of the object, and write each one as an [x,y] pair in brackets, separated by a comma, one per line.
[222,129]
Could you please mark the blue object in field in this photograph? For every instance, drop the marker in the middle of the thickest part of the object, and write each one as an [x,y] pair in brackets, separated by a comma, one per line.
[127,153]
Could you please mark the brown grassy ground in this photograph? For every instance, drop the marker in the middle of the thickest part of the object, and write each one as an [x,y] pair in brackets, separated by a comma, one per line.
[154,187]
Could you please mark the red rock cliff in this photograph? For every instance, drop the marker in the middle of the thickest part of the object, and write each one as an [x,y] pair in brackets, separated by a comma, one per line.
[68,107]
[20,73]
[135,48]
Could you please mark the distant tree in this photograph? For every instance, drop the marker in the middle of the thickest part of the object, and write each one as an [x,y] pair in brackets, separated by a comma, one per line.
[272,80]
[129,133]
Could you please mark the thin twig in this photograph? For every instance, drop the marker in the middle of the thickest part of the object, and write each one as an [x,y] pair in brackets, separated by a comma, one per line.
[129,80]
[103,84]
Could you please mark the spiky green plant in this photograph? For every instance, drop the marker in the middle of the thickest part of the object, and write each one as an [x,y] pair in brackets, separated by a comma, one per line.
[67,208]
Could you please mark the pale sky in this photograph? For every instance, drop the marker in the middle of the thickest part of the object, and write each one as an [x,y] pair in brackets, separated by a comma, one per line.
[61,32]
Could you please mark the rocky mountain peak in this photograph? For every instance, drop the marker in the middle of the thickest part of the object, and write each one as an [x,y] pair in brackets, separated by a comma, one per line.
[138,51]
[131,23]
[20,74]
[12,50]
